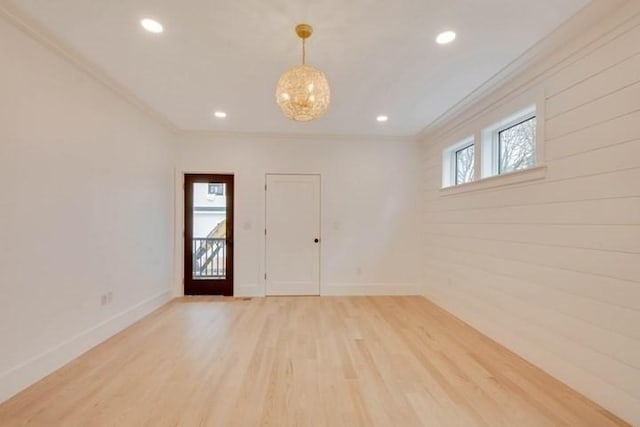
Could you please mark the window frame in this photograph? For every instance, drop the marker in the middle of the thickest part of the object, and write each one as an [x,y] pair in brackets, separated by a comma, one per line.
[485,128]
[490,150]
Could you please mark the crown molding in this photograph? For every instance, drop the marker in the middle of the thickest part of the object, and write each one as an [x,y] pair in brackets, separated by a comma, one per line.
[564,41]
[539,53]
[39,33]
[297,136]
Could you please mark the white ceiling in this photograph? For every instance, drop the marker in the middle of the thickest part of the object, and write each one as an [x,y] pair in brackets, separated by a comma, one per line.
[380,56]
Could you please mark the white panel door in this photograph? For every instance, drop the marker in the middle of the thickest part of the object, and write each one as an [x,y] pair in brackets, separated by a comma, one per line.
[293,234]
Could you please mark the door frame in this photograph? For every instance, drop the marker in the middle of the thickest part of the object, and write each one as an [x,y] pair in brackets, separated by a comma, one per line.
[229,282]
[320,235]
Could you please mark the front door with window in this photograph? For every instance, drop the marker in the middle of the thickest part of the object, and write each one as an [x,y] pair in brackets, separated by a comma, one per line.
[208,236]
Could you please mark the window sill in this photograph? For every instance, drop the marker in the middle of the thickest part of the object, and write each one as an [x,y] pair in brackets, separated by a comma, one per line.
[527,175]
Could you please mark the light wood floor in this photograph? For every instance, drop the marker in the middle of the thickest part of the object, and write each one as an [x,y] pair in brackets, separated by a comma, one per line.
[387,361]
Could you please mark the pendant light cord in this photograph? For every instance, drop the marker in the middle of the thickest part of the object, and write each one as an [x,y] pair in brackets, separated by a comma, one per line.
[304,52]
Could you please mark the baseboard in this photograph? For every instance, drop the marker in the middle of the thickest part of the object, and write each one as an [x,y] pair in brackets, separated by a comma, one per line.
[342,289]
[250,290]
[360,289]
[22,376]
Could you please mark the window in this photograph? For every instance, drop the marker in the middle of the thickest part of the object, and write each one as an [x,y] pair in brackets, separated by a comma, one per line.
[507,146]
[464,164]
[510,145]
[216,189]
[459,163]
[517,146]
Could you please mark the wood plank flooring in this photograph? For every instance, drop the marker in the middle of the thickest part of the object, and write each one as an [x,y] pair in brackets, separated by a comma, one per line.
[307,361]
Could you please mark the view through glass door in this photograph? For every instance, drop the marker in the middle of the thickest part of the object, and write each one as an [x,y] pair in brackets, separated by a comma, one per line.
[208,246]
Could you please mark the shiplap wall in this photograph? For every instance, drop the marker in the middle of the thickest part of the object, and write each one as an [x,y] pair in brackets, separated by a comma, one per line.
[551,268]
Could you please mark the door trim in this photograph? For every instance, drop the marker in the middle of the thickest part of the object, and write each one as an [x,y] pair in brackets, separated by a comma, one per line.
[264,260]
[227,285]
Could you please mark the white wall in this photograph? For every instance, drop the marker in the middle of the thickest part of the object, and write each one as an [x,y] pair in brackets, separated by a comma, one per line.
[86,208]
[370,193]
[548,268]
[551,268]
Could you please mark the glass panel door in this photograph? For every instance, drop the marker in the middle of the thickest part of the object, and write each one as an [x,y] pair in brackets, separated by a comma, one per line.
[208,234]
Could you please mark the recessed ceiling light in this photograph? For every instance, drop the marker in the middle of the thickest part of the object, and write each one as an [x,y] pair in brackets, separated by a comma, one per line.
[220,114]
[382,118]
[446,37]
[151,25]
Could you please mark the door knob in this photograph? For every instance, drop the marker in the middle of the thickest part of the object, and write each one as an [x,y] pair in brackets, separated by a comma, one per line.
[316,240]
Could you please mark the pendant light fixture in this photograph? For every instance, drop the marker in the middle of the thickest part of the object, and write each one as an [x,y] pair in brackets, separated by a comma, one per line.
[303,92]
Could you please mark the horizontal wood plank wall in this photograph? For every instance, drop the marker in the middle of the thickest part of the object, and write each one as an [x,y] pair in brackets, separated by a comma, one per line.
[551,268]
